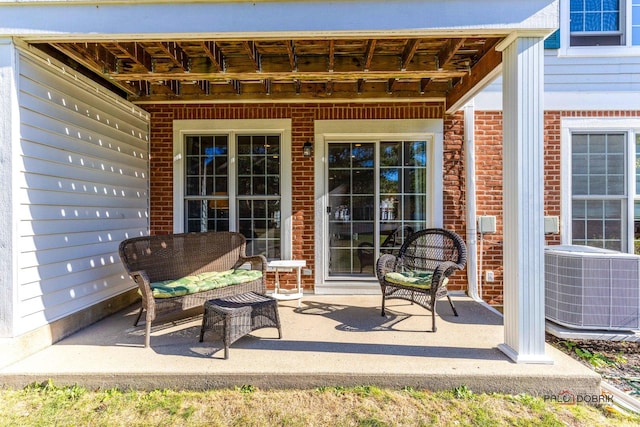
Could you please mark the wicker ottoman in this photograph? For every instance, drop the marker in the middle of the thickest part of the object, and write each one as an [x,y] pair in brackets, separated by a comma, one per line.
[233,317]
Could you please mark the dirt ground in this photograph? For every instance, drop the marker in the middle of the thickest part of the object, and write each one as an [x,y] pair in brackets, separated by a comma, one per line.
[617,361]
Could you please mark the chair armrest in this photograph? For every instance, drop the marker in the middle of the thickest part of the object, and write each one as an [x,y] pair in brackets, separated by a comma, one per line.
[444,270]
[385,264]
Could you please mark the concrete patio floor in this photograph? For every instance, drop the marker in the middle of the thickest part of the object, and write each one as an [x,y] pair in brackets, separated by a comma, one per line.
[330,340]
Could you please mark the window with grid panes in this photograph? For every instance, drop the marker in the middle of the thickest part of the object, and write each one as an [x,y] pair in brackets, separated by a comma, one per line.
[596,22]
[254,188]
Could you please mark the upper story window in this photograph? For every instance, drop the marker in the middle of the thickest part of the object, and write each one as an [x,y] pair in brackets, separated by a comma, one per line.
[596,22]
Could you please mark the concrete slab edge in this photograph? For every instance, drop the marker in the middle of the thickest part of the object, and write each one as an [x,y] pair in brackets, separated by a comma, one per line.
[481,383]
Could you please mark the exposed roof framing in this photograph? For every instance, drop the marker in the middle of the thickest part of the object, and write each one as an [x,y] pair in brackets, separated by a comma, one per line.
[308,68]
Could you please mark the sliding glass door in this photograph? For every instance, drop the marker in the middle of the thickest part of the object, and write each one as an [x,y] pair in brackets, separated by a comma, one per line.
[377,193]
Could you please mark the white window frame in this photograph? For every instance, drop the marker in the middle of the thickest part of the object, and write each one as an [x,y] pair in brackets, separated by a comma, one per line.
[569,125]
[430,130]
[625,49]
[181,128]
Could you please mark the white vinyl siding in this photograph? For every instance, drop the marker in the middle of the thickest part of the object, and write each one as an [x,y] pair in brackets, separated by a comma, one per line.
[590,74]
[82,182]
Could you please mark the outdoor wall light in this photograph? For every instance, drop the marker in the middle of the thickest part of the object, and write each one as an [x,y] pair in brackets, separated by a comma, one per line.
[307,149]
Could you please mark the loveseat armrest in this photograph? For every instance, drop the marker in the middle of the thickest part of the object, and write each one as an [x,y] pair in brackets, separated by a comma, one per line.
[141,278]
[258,262]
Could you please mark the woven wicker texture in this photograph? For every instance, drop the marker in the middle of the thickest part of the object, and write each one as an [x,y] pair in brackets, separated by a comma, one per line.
[151,259]
[233,317]
[434,250]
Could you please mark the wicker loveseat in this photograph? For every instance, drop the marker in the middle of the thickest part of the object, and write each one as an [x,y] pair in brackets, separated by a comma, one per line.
[420,271]
[178,272]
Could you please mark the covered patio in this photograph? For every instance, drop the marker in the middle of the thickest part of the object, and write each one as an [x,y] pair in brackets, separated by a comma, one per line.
[328,340]
[431,57]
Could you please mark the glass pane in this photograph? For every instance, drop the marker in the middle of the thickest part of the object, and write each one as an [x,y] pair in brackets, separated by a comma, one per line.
[363,208]
[579,143]
[258,165]
[579,209]
[597,184]
[592,21]
[362,156]
[577,22]
[389,180]
[610,4]
[273,165]
[363,182]
[259,185]
[414,209]
[615,185]
[415,153]
[610,21]
[389,154]
[260,221]
[244,144]
[578,229]
[577,5]
[339,182]
[415,180]
[592,5]
[273,185]
[339,155]
[207,215]
[244,165]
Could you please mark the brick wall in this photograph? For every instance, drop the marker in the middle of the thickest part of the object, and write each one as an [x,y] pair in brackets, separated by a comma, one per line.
[488,139]
[488,135]
[303,116]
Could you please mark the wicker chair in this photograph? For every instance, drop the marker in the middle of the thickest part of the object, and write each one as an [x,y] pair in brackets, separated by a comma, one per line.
[156,258]
[390,245]
[420,271]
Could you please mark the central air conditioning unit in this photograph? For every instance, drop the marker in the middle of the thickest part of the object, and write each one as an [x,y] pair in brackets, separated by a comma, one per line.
[592,288]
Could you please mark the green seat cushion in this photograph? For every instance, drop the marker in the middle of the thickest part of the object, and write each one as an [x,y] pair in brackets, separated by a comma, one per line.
[415,279]
[202,282]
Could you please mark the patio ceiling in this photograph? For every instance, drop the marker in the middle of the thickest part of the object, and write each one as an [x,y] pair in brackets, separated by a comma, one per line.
[433,68]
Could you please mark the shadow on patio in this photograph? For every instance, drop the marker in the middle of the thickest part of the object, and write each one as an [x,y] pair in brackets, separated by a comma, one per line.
[328,340]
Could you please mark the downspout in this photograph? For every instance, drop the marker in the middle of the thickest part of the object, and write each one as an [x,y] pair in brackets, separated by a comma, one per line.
[470,181]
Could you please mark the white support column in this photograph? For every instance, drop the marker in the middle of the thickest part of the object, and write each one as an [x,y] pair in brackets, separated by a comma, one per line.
[523,204]
[9,130]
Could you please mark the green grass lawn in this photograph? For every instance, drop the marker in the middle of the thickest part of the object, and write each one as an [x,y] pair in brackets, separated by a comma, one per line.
[49,405]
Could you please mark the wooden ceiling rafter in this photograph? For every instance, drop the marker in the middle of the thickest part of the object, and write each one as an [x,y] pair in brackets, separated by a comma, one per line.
[448,51]
[424,84]
[252,51]
[136,53]
[429,67]
[391,84]
[213,52]
[70,50]
[409,51]
[368,54]
[176,54]
[237,86]
[480,70]
[332,55]
[291,52]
